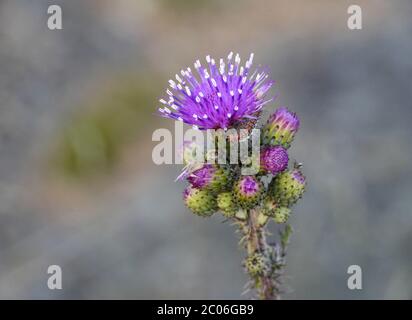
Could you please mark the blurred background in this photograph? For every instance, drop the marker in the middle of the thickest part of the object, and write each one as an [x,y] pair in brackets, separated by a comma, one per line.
[78,187]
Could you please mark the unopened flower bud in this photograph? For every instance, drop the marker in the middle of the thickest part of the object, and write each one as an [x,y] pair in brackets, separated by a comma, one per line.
[201,202]
[211,177]
[287,187]
[248,191]
[226,204]
[256,264]
[281,214]
[281,128]
[273,159]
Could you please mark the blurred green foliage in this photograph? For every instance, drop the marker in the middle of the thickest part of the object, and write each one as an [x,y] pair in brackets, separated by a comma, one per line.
[91,142]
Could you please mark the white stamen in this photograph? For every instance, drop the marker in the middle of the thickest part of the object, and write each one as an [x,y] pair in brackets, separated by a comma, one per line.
[208,59]
[197,64]
[172,84]
[180,119]
[161,110]
[219,94]
[216,107]
[224,79]
[232,93]
[201,94]
[241,71]
[197,99]
[213,82]
[188,91]
[237,58]
[213,62]
[163,101]
[178,78]
[239,90]
[195,127]
[173,106]
[168,110]
[179,86]
[205,116]
[230,55]
[236,108]
[229,115]
[195,116]
[169,92]
[244,80]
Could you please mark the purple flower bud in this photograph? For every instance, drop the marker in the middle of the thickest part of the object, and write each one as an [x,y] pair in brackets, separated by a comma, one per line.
[211,177]
[281,128]
[274,159]
[248,191]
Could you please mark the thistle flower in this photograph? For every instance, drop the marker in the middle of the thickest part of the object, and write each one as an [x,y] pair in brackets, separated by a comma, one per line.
[274,159]
[227,95]
[211,177]
[220,96]
[287,187]
[281,128]
[226,204]
[201,202]
[248,191]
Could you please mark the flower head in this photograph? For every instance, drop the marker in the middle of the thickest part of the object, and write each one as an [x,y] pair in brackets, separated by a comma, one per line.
[274,159]
[201,202]
[220,96]
[287,187]
[211,177]
[281,128]
[248,191]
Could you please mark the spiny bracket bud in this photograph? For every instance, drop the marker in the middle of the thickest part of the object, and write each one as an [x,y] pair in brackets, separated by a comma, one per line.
[287,187]
[248,191]
[281,214]
[201,202]
[211,177]
[256,264]
[226,204]
[281,128]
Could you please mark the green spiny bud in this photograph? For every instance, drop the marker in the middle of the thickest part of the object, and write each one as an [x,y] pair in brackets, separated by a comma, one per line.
[201,202]
[269,206]
[226,204]
[287,187]
[256,264]
[248,191]
[281,214]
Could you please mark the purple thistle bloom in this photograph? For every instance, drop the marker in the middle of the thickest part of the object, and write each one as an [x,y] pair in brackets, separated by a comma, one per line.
[249,186]
[217,97]
[202,177]
[274,159]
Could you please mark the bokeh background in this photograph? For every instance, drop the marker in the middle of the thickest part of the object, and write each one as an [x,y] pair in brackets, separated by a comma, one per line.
[78,187]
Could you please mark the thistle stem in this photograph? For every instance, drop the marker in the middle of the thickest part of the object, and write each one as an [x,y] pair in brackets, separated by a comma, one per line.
[265,283]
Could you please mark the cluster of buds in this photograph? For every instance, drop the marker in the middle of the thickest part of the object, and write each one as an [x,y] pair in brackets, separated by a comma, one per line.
[223,188]
[233,99]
